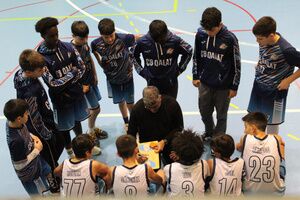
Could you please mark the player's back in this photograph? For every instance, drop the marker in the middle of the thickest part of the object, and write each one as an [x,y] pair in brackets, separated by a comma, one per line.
[184,180]
[226,178]
[128,182]
[262,163]
[77,180]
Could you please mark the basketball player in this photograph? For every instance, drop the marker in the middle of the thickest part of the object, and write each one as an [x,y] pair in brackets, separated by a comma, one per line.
[263,154]
[80,174]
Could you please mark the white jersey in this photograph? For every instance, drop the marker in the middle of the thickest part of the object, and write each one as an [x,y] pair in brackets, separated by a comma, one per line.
[132,181]
[226,178]
[262,162]
[77,180]
[186,180]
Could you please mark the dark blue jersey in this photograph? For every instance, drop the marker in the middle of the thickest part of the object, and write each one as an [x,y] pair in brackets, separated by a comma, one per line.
[217,61]
[276,62]
[20,144]
[161,61]
[64,68]
[115,58]
[88,77]
[41,120]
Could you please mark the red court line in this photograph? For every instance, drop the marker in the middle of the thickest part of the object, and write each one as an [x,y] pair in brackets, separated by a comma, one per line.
[243,9]
[25,5]
[11,72]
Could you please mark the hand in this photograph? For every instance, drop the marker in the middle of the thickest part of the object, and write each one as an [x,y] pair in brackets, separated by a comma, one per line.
[232,93]
[284,84]
[174,156]
[37,143]
[196,83]
[85,88]
[141,158]
[160,146]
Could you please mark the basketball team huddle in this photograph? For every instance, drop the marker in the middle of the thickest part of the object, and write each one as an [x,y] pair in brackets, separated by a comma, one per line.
[37,133]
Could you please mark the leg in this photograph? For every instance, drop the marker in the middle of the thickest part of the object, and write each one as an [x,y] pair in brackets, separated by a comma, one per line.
[206,107]
[77,128]
[222,104]
[123,109]
[92,119]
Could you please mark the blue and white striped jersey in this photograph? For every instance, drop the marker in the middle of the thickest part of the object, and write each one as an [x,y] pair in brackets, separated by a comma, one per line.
[276,62]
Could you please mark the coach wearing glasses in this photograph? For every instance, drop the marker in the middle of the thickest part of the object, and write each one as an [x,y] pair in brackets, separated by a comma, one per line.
[156,117]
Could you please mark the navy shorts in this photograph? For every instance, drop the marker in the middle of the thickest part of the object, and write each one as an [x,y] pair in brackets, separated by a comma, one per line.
[271,102]
[65,117]
[123,92]
[93,97]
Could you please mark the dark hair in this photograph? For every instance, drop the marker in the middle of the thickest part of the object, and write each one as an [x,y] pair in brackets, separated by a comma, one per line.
[188,146]
[31,60]
[80,28]
[106,26]
[211,17]
[44,24]
[126,145]
[15,108]
[223,144]
[258,119]
[264,26]
[158,31]
[81,144]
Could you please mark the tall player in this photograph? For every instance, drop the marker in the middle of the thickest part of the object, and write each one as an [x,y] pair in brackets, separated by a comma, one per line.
[263,154]
[112,54]
[80,32]
[64,70]
[273,74]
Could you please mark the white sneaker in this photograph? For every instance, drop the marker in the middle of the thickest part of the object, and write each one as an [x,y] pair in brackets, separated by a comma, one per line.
[96,151]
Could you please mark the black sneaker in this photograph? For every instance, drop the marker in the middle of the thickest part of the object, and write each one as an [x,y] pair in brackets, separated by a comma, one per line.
[53,184]
[100,134]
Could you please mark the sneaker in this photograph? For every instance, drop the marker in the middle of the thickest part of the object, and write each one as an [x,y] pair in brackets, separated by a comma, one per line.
[96,151]
[53,184]
[95,139]
[100,134]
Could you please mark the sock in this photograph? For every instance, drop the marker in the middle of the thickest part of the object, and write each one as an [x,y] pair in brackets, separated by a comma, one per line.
[126,120]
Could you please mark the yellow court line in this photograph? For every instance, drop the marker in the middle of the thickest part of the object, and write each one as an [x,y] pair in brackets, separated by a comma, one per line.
[234,106]
[131,23]
[294,137]
[137,30]
[175,5]
[126,14]
[189,77]
[191,10]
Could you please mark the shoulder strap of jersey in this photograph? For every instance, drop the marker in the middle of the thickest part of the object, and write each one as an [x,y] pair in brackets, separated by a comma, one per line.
[113,176]
[91,172]
[146,174]
[243,147]
[278,147]
[170,174]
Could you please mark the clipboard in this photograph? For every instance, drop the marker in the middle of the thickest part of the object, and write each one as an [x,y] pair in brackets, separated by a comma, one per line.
[153,157]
